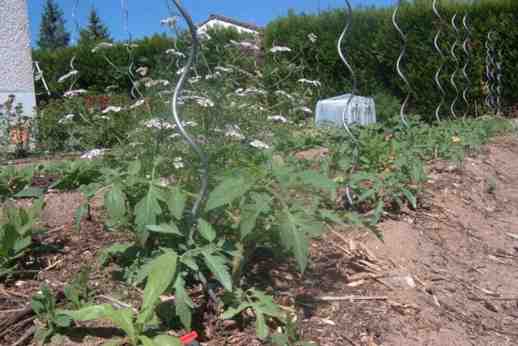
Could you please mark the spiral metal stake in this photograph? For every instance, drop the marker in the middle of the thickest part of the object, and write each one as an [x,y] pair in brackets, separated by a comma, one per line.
[398,63]
[499,83]
[204,174]
[490,72]
[348,22]
[467,52]
[456,61]
[437,77]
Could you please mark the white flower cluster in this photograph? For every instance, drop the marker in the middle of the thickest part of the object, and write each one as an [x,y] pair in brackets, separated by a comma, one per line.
[304,109]
[137,104]
[313,83]
[142,70]
[200,100]
[285,94]
[278,119]
[66,118]
[279,49]
[233,131]
[159,124]
[245,44]
[113,109]
[259,145]
[73,93]
[175,53]
[312,37]
[250,91]
[152,83]
[92,154]
[178,163]
[224,69]
[212,76]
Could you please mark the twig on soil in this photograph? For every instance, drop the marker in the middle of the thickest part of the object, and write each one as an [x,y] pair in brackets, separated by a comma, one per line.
[53,265]
[29,333]
[118,303]
[17,325]
[349,298]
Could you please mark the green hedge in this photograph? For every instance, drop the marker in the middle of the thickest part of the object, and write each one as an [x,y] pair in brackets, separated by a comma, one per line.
[95,74]
[373,46]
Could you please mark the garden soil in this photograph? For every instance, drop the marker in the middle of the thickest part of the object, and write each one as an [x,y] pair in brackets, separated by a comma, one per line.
[446,274]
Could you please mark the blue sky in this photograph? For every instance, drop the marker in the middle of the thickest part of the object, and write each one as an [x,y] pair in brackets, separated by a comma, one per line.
[145,15]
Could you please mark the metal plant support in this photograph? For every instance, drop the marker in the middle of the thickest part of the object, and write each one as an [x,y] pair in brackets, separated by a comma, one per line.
[491,73]
[398,63]
[466,47]
[437,77]
[204,172]
[498,66]
[456,63]
[348,22]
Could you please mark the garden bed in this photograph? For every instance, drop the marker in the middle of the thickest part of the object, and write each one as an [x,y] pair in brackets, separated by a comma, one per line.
[445,274]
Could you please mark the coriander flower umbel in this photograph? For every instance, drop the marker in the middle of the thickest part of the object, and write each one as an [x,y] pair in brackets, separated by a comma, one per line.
[66,118]
[245,44]
[72,93]
[259,145]
[285,94]
[178,163]
[159,124]
[306,110]
[137,104]
[234,131]
[142,70]
[314,83]
[92,154]
[279,49]
[224,69]
[278,119]
[312,37]
[175,53]
[113,109]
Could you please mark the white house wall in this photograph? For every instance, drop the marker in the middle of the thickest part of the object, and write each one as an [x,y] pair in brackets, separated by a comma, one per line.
[216,23]
[16,76]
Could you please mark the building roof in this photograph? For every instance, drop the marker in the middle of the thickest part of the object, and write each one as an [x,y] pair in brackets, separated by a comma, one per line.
[230,21]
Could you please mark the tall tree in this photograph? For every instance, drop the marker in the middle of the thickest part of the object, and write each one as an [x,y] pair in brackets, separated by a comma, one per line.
[52,28]
[96,31]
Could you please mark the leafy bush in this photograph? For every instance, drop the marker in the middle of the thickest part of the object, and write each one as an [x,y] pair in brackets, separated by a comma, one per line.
[373,45]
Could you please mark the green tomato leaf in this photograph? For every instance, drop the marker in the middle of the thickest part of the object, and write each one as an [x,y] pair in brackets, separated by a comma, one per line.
[115,203]
[227,191]
[81,212]
[261,329]
[176,202]
[161,274]
[146,341]
[231,312]
[183,303]
[206,230]
[148,208]
[166,340]
[293,238]
[165,228]
[216,265]
[410,197]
